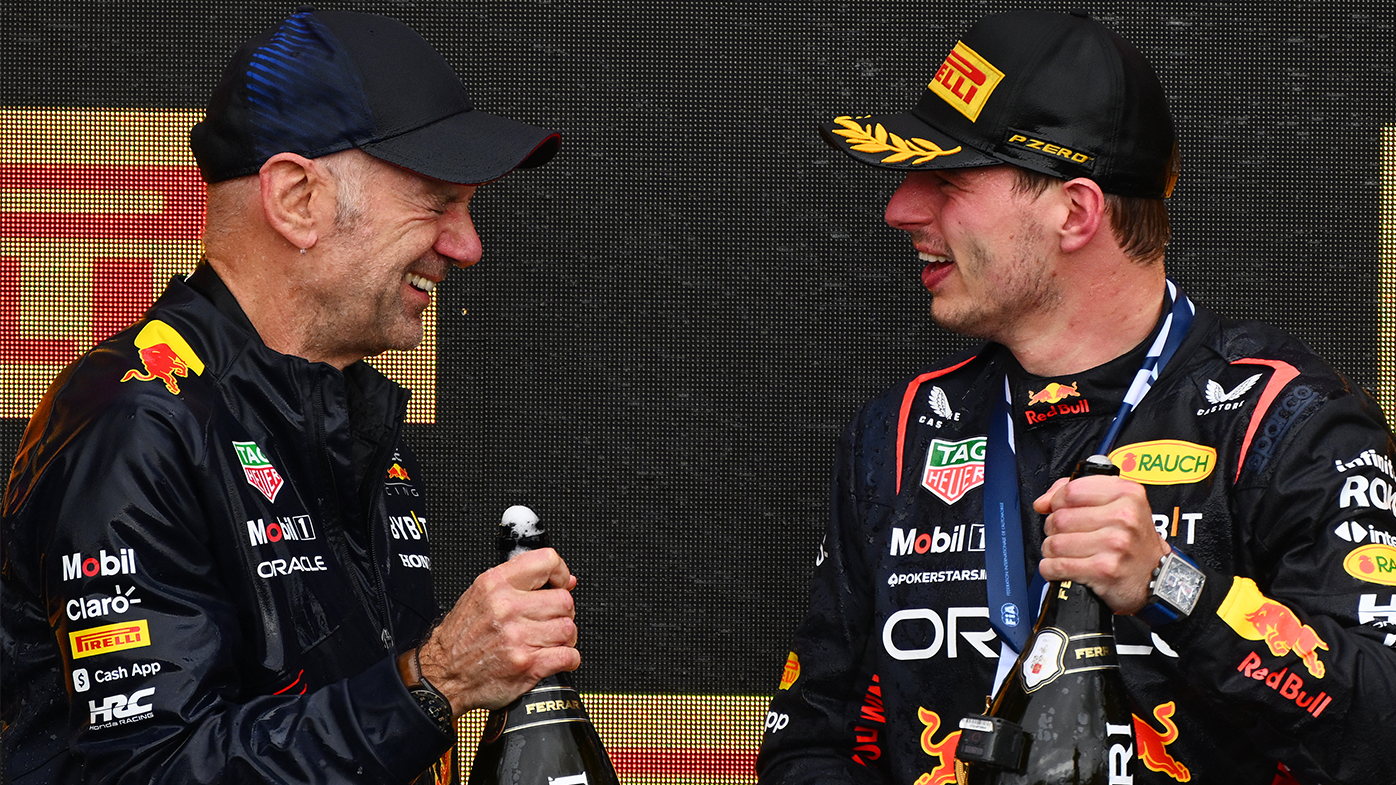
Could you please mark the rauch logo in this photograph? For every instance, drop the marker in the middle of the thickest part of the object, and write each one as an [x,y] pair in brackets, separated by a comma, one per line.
[1165,462]
[1373,564]
[954,468]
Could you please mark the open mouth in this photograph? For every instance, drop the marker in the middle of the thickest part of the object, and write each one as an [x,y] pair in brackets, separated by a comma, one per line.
[419,283]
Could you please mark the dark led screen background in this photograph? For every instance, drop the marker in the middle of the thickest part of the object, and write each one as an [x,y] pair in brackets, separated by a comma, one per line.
[675,318]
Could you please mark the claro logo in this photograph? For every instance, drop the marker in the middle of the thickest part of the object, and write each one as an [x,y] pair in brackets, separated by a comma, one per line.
[1165,462]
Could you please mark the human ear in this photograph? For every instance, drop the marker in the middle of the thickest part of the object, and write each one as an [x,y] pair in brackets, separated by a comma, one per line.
[297,198]
[1085,214]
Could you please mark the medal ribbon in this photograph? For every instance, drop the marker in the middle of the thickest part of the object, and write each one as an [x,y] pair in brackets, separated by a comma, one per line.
[1006,574]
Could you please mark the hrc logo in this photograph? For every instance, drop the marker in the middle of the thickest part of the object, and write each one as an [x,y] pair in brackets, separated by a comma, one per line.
[966,80]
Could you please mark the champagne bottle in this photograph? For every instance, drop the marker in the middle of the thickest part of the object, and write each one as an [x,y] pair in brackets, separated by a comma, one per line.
[544,737]
[1063,715]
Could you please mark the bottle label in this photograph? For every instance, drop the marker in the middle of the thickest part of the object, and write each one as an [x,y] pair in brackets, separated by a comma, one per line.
[543,705]
[1054,653]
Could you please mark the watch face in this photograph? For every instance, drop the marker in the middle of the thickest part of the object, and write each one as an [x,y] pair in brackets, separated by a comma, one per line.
[436,707]
[1179,584]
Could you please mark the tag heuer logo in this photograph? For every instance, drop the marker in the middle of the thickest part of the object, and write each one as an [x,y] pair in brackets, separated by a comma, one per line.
[954,468]
[260,473]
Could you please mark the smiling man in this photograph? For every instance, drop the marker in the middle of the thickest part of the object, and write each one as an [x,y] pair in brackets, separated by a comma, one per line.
[216,542]
[1258,479]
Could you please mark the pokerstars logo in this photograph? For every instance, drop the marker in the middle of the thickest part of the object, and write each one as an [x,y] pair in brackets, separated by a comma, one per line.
[120,709]
[954,468]
[123,562]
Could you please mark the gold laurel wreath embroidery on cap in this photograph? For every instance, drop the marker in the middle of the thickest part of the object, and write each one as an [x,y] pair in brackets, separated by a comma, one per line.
[869,139]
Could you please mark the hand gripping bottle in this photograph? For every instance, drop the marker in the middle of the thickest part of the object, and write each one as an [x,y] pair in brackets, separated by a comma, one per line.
[544,737]
[1062,716]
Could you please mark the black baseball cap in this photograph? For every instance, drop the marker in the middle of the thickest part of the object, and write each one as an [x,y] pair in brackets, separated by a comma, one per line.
[326,81]
[1058,94]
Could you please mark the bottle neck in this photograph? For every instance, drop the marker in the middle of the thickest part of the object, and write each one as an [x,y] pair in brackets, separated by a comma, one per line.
[1074,609]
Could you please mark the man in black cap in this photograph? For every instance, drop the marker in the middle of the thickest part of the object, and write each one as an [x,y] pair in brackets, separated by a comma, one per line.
[1248,540]
[216,542]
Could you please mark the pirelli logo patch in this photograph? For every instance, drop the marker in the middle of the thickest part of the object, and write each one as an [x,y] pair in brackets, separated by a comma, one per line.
[966,80]
[1026,141]
[109,638]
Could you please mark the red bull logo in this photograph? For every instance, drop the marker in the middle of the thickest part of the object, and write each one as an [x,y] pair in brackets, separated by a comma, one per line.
[396,472]
[1053,393]
[1288,685]
[165,355]
[1256,617]
[944,772]
[1153,745]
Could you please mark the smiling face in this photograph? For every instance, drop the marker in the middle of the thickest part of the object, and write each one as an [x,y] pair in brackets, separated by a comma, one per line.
[985,246]
[397,234]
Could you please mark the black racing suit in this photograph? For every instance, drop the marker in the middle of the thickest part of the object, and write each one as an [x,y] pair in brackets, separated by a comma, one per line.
[213,553]
[1261,463]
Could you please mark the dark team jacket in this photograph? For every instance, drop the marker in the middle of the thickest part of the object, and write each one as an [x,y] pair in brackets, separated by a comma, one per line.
[1260,462]
[213,553]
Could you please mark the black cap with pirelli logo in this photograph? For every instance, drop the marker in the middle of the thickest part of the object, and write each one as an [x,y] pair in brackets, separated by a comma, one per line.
[1055,93]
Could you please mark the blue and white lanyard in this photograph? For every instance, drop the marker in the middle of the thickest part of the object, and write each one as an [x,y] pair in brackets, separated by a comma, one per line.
[1005,567]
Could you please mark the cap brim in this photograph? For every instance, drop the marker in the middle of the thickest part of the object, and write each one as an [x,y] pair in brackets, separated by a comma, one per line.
[468,148]
[899,141]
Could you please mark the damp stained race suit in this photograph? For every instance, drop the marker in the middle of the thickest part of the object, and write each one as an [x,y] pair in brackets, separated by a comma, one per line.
[1260,462]
[213,553]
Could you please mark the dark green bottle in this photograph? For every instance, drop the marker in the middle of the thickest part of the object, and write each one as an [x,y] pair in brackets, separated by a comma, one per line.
[1064,699]
[544,737]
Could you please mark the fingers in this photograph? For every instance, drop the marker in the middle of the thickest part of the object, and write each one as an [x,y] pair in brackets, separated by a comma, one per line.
[536,569]
[505,633]
[1100,532]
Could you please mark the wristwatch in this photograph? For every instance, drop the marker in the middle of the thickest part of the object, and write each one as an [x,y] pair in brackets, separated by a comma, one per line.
[432,701]
[1173,591]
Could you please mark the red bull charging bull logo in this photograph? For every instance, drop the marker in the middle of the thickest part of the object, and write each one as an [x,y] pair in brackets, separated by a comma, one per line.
[944,772]
[1053,393]
[1256,617]
[396,472]
[1153,745]
[165,355]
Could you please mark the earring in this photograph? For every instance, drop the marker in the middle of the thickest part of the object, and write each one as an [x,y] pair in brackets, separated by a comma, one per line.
[302,252]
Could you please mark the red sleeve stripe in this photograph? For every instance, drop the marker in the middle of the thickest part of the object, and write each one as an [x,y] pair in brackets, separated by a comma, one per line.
[906,410]
[1284,374]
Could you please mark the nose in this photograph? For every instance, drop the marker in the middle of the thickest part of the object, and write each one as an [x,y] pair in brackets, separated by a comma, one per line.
[458,240]
[908,207]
